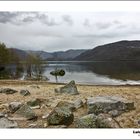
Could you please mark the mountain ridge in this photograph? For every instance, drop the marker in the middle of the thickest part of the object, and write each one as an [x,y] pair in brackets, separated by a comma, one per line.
[50,56]
[116,51]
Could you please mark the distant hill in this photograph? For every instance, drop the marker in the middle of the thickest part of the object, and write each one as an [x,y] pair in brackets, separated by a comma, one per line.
[21,53]
[55,56]
[122,50]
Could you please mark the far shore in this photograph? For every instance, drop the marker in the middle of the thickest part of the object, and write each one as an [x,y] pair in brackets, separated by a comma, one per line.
[27,82]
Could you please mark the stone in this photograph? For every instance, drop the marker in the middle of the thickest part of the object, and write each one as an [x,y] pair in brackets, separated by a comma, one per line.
[5,123]
[104,104]
[58,126]
[14,106]
[43,106]
[114,113]
[67,105]
[45,116]
[105,121]
[34,102]
[35,107]
[97,121]
[88,121]
[70,88]
[2,114]
[24,92]
[17,118]
[60,116]
[7,91]
[33,125]
[138,121]
[78,103]
[45,125]
[27,112]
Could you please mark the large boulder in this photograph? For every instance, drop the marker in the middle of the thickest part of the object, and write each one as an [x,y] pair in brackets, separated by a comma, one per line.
[7,91]
[5,123]
[24,92]
[78,103]
[70,88]
[67,105]
[105,104]
[60,116]
[14,106]
[27,112]
[105,121]
[88,121]
[97,121]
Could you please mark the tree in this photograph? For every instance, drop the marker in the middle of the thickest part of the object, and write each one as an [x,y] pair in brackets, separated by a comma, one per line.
[57,72]
[4,54]
[34,66]
[9,58]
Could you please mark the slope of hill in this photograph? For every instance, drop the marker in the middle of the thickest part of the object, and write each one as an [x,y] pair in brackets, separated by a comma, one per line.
[21,53]
[58,56]
[122,50]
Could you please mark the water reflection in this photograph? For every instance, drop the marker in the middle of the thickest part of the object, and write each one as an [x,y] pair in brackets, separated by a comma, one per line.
[97,72]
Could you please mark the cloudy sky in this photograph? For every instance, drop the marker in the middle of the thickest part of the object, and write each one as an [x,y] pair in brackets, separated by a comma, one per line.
[55,31]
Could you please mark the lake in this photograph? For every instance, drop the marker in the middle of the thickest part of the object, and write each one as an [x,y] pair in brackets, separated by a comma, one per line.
[96,73]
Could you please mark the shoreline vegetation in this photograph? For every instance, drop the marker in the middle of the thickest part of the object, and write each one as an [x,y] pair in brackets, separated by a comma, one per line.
[45,92]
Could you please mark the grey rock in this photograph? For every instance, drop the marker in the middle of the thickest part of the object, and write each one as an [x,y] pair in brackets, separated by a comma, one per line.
[60,116]
[35,107]
[70,88]
[5,123]
[104,104]
[14,106]
[24,92]
[97,121]
[34,102]
[2,114]
[33,125]
[17,118]
[67,105]
[78,103]
[114,113]
[7,91]
[88,121]
[105,121]
[138,122]
[27,112]
[45,116]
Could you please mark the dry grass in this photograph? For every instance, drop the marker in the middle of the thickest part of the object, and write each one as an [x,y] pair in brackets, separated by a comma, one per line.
[46,91]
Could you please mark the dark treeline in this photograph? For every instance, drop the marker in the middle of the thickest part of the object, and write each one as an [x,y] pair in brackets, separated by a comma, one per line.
[11,66]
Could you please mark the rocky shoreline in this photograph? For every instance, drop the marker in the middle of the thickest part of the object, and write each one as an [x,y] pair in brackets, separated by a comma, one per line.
[32,104]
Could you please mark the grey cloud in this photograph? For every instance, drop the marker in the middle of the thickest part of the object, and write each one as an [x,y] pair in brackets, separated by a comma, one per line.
[103,25]
[97,36]
[67,19]
[17,18]
[53,31]
[45,19]
[7,16]
[26,17]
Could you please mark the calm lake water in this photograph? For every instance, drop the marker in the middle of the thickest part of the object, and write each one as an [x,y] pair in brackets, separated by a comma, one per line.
[96,73]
